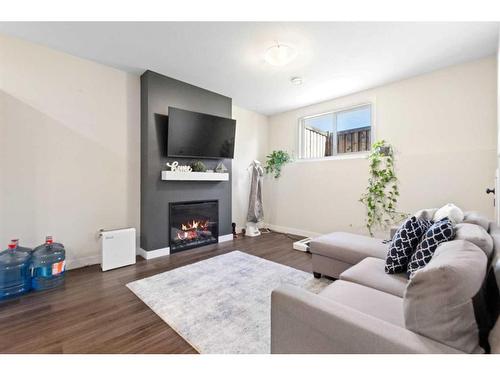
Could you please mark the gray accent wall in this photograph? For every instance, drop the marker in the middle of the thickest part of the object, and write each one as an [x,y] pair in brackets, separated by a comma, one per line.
[158,92]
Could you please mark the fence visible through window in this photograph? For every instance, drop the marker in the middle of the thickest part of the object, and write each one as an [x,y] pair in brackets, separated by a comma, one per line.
[336,133]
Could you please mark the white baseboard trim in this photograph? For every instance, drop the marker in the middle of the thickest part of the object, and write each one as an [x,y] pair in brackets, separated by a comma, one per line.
[295,231]
[74,263]
[153,253]
[226,237]
[166,250]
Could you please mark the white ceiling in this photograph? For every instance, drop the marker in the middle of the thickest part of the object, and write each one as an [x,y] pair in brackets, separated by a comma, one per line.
[334,58]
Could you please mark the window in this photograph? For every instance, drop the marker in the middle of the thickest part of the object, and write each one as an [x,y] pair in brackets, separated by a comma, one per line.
[336,133]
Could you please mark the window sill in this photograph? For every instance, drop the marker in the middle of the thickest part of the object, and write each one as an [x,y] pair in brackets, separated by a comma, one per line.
[353,155]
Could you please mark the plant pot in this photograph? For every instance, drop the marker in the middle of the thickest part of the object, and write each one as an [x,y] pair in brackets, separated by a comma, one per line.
[385,150]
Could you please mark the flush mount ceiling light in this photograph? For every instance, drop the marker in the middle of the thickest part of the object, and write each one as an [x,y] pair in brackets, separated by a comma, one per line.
[296,81]
[280,54]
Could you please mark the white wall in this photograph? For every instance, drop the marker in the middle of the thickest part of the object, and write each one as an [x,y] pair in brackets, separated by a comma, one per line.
[251,143]
[497,182]
[443,126]
[69,148]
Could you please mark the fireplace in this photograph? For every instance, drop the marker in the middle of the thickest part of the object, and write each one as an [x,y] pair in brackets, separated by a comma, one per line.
[193,224]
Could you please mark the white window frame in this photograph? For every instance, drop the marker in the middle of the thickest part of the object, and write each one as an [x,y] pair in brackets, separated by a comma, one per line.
[336,156]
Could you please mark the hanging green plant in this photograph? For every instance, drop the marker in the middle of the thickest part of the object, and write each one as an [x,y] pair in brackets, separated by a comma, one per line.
[382,193]
[275,161]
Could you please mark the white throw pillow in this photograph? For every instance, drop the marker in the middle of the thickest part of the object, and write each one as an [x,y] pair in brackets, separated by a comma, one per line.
[450,211]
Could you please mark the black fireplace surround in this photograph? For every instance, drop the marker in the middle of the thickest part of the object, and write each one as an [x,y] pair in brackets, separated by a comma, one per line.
[157,94]
[193,224]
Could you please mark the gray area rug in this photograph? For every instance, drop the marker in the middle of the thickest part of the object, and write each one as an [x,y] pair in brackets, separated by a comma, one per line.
[222,304]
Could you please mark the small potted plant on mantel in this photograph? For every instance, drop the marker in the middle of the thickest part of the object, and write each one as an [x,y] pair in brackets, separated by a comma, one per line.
[198,166]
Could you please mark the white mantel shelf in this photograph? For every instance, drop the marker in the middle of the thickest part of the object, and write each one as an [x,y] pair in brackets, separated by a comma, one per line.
[194,176]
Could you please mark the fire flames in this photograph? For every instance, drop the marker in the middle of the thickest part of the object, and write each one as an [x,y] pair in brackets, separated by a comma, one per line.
[193,225]
[190,229]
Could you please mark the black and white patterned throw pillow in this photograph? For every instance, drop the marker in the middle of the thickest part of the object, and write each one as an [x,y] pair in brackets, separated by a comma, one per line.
[439,232]
[404,243]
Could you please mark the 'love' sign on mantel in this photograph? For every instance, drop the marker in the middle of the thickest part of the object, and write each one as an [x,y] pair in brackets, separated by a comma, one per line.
[175,167]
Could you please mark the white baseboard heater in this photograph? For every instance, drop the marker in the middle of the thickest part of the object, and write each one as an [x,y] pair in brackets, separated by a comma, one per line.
[117,248]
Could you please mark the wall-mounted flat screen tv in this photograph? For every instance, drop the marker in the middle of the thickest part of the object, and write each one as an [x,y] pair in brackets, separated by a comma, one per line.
[198,135]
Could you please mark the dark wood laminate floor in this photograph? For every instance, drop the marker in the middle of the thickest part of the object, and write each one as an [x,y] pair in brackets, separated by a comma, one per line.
[96,313]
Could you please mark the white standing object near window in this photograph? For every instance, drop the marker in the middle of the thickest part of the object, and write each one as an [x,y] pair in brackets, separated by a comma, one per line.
[117,248]
[255,212]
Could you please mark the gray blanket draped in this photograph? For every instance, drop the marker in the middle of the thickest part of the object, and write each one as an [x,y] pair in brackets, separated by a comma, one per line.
[255,212]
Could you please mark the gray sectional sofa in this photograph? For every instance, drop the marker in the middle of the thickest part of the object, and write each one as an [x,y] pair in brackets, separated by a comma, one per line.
[369,311]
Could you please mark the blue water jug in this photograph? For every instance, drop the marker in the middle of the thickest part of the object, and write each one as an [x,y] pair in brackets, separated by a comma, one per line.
[21,248]
[48,263]
[15,276]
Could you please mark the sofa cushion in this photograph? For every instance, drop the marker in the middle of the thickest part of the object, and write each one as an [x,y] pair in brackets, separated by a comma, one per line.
[370,272]
[451,212]
[475,234]
[438,299]
[494,258]
[426,214]
[473,217]
[348,247]
[403,244]
[369,301]
[438,233]
[493,228]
